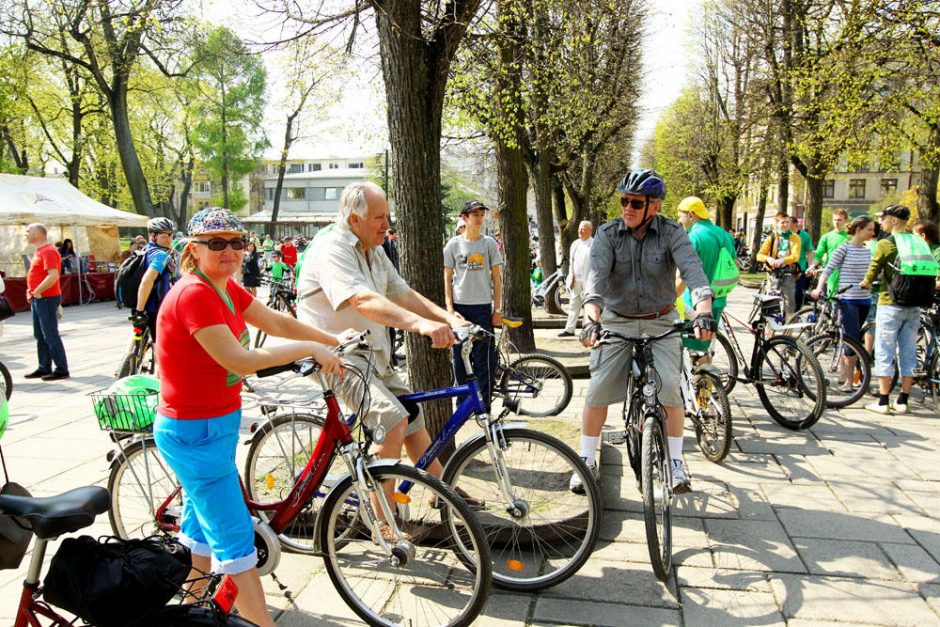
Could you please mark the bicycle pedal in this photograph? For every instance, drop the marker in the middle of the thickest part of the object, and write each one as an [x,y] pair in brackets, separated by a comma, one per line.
[615,438]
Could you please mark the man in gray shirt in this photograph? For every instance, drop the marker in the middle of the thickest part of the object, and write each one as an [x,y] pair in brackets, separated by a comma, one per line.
[630,289]
[472,283]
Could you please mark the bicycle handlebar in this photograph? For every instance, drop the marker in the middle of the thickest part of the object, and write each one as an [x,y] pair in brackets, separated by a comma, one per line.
[677,327]
[308,365]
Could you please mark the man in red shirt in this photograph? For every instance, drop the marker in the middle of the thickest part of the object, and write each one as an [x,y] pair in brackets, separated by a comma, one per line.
[44,295]
[289,252]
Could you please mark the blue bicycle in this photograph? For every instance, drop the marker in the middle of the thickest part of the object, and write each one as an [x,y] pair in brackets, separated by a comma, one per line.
[516,478]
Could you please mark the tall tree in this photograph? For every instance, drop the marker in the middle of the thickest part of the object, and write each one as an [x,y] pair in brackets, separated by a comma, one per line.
[107,40]
[228,133]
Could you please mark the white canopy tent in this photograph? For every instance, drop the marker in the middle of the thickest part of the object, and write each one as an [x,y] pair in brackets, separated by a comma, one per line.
[56,203]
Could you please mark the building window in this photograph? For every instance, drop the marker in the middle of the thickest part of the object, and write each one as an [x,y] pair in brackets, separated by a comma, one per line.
[202,187]
[356,165]
[334,166]
[296,193]
[295,168]
[314,167]
[857,189]
[888,186]
[829,188]
[331,193]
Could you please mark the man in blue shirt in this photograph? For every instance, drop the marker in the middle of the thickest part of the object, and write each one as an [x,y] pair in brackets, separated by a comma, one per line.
[159,274]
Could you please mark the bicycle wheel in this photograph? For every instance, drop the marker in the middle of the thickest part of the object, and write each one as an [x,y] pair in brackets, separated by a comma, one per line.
[541,385]
[6,381]
[547,533]
[562,297]
[932,380]
[277,456]
[831,353]
[191,616]
[784,372]
[425,580]
[140,482]
[724,360]
[128,366]
[713,429]
[657,497]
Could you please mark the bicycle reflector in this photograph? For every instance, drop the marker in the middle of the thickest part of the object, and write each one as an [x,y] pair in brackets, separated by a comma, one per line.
[270,481]
[401,498]
[515,565]
[224,597]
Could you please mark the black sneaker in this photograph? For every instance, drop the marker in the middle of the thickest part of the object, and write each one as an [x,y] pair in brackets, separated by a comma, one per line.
[55,376]
[37,374]
[566,334]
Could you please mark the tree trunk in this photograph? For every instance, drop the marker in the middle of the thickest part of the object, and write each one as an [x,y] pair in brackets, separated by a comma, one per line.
[726,211]
[812,218]
[281,170]
[566,229]
[225,177]
[783,185]
[415,74]
[130,162]
[927,205]
[542,183]
[517,294]
[187,178]
[759,224]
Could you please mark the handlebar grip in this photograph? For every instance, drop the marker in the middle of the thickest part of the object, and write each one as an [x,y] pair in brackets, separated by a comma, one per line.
[273,370]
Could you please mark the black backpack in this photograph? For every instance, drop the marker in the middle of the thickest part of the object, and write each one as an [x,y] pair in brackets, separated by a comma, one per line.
[128,278]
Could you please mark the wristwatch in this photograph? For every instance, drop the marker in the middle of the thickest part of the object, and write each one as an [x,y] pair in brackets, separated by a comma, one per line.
[499,311]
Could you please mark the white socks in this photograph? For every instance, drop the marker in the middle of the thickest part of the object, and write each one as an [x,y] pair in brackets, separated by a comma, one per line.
[675,447]
[589,447]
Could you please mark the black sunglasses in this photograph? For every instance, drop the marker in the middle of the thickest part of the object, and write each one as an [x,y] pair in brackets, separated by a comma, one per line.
[633,202]
[218,244]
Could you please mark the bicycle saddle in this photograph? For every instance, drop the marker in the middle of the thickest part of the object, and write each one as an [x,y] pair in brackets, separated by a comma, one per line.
[51,516]
[765,298]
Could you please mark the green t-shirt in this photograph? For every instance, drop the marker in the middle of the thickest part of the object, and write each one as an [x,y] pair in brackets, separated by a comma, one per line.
[806,245]
[708,240]
[827,245]
[277,270]
[268,245]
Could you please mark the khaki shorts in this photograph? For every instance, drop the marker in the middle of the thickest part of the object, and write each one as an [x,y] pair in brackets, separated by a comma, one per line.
[384,407]
[611,363]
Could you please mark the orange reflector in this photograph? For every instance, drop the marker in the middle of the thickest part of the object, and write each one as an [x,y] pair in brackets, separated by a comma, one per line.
[270,482]
[515,565]
[401,498]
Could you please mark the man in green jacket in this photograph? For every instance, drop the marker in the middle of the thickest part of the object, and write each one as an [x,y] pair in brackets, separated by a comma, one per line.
[827,245]
[707,239]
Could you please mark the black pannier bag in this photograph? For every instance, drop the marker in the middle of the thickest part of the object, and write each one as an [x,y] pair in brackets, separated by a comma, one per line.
[114,582]
[15,531]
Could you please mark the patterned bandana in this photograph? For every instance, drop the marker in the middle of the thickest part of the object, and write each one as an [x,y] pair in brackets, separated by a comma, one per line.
[213,220]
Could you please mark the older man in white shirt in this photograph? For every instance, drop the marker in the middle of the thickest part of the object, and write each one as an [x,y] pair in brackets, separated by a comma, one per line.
[579,262]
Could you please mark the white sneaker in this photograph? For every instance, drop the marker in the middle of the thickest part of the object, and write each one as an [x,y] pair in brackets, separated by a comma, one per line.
[576,485]
[681,483]
[900,408]
[879,409]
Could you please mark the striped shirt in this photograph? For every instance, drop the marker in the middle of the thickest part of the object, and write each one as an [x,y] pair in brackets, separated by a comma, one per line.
[852,262]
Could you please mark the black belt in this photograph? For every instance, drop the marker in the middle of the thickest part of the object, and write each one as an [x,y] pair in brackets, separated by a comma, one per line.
[652,316]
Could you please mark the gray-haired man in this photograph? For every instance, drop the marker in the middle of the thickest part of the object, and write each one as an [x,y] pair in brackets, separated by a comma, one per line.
[348,282]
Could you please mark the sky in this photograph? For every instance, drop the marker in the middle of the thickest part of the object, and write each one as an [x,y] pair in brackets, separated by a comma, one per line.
[356,123]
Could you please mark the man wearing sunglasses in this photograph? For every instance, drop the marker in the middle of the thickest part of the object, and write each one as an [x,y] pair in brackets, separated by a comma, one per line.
[159,275]
[631,289]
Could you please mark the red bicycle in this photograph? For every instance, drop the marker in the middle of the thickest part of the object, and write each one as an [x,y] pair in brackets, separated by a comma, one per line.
[413,554]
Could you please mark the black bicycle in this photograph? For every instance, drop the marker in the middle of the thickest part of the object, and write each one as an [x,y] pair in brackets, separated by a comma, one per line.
[645,437]
[281,297]
[141,356]
[786,373]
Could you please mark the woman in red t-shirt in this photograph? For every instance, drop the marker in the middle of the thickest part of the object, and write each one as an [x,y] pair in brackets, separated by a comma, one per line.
[203,353]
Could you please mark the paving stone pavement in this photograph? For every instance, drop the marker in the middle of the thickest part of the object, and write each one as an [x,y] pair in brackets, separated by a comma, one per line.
[836,524]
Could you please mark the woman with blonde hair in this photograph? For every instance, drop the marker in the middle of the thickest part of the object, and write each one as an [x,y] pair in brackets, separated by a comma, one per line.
[203,354]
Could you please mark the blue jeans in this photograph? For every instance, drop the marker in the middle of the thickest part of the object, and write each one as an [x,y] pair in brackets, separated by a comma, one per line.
[896,335]
[483,356]
[854,314]
[46,331]
[215,520]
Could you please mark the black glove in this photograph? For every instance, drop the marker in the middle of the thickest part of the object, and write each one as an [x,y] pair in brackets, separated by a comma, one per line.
[592,328]
[705,322]
[139,318]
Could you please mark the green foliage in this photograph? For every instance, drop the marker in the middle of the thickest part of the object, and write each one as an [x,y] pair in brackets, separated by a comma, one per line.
[230,108]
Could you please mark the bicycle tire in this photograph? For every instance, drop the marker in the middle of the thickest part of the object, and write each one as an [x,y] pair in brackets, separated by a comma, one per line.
[932,380]
[792,382]
[713,433]
[135,496]
[7,381]
[562,297]
[432,513]
[535,376]
[657,516]
[128,365]
[724,359]
[276,457]
[188,615]
[822,347]
[538,467]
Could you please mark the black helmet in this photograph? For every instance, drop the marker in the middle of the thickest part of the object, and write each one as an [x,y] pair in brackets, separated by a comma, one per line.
[159,225]
[643,182]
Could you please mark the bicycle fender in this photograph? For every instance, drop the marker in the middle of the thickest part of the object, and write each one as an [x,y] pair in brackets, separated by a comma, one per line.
[318,526]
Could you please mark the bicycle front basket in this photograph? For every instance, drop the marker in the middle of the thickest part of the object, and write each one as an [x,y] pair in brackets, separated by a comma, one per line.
[132,413]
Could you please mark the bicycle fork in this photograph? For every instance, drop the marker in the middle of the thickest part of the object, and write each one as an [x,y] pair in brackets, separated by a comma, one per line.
[495,445]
